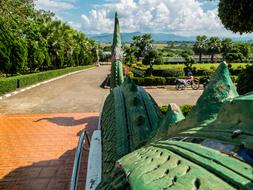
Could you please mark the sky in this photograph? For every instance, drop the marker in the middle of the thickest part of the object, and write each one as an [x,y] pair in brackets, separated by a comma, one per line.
[180,17]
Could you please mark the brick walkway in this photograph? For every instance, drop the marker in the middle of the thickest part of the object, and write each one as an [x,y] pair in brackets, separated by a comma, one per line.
[37,151]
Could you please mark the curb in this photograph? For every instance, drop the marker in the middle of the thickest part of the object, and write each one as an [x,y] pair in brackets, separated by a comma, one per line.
[8,95]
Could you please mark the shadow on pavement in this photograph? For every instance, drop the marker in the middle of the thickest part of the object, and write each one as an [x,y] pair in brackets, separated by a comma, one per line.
[70,121]
[46,175]
[54,174]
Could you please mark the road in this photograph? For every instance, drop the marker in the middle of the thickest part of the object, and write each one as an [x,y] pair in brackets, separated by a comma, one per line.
[164,96]
[77,93]
[81,93]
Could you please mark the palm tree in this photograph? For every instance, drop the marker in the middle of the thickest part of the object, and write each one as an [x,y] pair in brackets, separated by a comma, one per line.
[226,46]
[213,47]
[200,46]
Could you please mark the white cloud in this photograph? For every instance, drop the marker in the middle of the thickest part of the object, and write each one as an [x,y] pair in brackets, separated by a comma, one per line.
[54,5]
[184,17]
[75,25]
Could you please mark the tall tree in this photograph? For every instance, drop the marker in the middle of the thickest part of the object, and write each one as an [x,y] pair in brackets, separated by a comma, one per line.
[226,46]
[38,41]
[200,46]
[142,44]
[213,47]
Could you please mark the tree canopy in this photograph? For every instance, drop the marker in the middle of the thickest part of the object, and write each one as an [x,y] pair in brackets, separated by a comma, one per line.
[237,16]
[34,40]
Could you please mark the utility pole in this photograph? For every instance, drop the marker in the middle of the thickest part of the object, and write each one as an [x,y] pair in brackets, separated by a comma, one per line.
[97,51]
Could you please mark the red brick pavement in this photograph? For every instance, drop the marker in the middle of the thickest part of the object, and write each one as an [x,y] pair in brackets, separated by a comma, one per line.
[37,151]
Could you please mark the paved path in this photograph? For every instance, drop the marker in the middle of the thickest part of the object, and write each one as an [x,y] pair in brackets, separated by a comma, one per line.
[77,93]
[37,151]
[171,95]
[81,93]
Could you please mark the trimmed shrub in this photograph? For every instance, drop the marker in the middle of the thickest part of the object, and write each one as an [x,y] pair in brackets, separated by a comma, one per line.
[8,85]
[27,80]
[138,73]
[168,73]
[186,109]
[171,80]
[235,71]
[155,81]
[203,72]
[245,84]
[164,109]
[159,61]
[173,73]
[30,79]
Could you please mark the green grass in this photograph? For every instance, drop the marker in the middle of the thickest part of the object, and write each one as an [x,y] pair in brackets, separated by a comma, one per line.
[198,66]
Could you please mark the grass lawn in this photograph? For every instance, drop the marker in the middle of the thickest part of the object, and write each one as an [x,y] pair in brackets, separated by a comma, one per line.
[198,66]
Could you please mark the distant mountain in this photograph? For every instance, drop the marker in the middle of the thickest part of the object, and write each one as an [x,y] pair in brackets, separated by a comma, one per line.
[127,37]
[158,37]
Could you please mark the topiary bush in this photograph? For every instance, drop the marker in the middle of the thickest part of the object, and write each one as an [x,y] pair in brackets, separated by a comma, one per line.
[244,81]
[173,73]
[159,61]
[184,108]
[8,85]
[204,72]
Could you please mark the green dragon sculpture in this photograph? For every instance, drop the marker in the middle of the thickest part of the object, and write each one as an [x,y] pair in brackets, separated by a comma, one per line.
[116,77]
[212,148]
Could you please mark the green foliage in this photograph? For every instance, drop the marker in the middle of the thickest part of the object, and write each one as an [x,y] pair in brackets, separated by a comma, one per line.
[164,109]
[8,85]
[188,56]
[159,81]
[245,83]
[138,48]
[33,40]
[130,55]
[150,57]
[152,81]
[244,48]
[226,46]
[213,47]
[159,61]
[242,17]
[234,56]
[200,46]
[184,108]
[169,72]
[12,83]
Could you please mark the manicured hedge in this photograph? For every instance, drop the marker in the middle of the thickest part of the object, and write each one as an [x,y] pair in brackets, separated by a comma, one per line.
[8,84]
[12,83]
[176,72]
[245,84]
[184,108]
[155,81]
[159,81]
[168,73]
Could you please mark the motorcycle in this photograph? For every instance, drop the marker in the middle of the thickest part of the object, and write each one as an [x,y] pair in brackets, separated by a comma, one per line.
[206,80]
[181,84]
